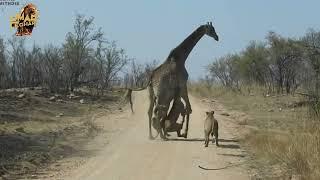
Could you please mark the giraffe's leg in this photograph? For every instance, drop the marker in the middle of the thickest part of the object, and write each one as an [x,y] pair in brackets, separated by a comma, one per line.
[150,119]
[181,126]
[187,126]
[131,104]
[150,110]
[178,129]
[188,111]
[185,97]
[129,98]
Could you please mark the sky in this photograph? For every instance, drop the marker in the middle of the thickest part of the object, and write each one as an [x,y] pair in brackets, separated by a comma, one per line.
[149,29]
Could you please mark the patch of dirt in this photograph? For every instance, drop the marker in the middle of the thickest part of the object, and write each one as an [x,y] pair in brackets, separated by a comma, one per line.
[36,133]
[125,152]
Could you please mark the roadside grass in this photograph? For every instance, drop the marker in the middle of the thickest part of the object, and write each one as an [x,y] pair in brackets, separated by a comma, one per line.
[294,153]
[284,136]
[35,132]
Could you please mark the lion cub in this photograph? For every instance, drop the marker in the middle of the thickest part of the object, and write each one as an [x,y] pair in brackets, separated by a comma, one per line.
[210,127]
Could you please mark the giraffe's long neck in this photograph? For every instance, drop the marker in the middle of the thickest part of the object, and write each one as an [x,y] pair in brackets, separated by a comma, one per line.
[185,47]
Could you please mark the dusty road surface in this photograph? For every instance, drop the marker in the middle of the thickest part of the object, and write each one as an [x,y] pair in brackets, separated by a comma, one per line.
[132,155]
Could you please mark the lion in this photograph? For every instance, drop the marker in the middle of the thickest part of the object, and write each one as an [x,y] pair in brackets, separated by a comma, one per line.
[210,127]
[169,124]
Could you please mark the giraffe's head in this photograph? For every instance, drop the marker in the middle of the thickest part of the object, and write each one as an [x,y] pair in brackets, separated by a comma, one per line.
[210,31]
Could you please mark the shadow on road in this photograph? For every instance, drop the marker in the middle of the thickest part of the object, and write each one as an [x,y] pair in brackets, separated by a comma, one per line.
[192,139]
[228,140]
[229,146]
[233,155]
[202,139]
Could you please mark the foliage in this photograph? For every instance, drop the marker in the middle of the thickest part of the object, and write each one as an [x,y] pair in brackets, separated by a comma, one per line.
[86,58]
[277,64]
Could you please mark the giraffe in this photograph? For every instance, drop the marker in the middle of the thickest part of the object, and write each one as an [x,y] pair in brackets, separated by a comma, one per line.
[169,80]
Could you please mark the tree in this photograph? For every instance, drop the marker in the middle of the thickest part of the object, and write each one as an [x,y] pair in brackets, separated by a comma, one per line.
[78,50]
[254,64]
[18,56]
[140,73]
[114,60]
[4,68]
[52,66]
[85,59]
[285,55]
[311,42]
[32,71]
[225,69]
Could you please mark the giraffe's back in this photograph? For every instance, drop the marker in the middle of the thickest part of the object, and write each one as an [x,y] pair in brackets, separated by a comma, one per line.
[164,82]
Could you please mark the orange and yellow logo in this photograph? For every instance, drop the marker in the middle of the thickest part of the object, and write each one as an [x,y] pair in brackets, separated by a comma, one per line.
[26,20]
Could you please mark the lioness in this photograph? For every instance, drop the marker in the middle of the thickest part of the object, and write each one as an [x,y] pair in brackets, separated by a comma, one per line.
[170,123]
[210,127]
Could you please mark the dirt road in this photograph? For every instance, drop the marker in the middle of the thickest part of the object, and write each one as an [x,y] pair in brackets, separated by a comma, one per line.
[132,155]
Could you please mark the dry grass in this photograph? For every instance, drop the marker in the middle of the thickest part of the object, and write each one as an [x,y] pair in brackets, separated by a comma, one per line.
[35,131]
[296,154]
[274,111]
[286,137]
